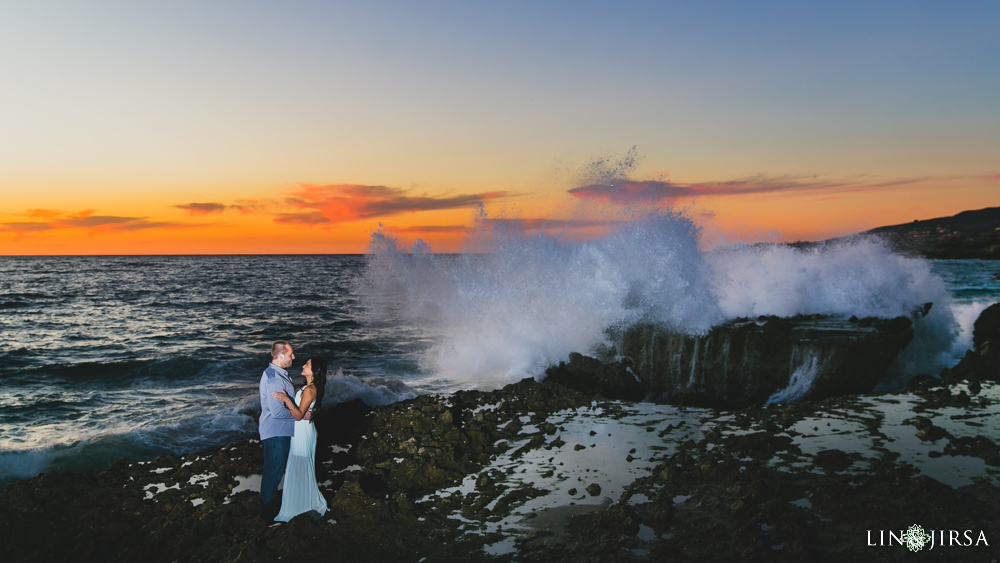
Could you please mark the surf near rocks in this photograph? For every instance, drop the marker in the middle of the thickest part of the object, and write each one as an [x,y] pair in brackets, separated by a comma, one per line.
[744,361]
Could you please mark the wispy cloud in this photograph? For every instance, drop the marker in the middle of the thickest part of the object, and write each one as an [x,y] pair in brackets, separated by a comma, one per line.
[627,192]
[520,224]
[244,206]
[43,213]
[88,221]
[141,224]
[25,227]
[247,206]
[97,221]
[202,208]
[313,218]
[349,202]
[657,191]
[432,229]
[536,224]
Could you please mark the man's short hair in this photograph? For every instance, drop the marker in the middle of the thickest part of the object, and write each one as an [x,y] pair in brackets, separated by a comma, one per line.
[278,348]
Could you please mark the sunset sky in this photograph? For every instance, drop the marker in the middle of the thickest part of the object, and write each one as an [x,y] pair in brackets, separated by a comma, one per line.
[297,127]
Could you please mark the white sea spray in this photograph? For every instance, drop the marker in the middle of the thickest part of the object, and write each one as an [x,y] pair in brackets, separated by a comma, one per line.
[528,298]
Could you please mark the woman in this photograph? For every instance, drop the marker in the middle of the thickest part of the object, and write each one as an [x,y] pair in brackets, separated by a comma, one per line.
[300,492]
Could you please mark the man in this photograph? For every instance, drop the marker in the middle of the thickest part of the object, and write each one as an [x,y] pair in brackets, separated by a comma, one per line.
[276,427]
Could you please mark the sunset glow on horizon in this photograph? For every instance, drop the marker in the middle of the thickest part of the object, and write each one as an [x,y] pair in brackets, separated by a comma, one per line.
[259,128]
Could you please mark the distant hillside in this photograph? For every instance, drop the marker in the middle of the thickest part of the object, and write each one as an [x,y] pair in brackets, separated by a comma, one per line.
[970,234]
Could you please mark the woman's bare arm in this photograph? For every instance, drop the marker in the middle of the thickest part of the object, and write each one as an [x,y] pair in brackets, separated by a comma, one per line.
[308,394]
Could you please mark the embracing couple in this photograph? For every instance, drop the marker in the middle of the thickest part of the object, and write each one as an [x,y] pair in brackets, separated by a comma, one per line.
[289,437]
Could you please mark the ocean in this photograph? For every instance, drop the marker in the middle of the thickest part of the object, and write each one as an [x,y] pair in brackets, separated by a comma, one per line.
[138,356]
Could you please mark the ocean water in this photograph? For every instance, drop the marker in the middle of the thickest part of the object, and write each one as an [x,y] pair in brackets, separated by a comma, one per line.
[137,356]
[103,357]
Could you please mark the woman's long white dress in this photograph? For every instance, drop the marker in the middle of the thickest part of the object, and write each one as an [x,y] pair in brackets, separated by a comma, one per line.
[301,494]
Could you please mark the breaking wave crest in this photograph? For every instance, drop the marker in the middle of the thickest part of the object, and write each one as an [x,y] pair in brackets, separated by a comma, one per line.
[527,298]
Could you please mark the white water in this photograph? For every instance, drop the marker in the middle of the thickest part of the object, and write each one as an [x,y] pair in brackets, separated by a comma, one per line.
[528,299]
[801,379]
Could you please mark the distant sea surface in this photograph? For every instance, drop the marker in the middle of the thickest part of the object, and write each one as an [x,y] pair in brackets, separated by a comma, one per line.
[138,356]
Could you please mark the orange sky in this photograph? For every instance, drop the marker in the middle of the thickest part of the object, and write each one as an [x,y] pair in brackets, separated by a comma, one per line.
[246,128]
[339,218]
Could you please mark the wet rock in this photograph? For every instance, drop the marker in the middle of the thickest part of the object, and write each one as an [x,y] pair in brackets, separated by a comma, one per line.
[535,442]
[759,445]
[594,377]
[922,422]
[975,387]
[832,460]
[978,446]
[418,447]
[727,496]
[745,362]
[517,497]
[983,361]
[932,433]
[923,382]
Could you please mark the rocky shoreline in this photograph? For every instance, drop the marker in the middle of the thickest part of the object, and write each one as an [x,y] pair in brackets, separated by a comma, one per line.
[744,361]
[542,472]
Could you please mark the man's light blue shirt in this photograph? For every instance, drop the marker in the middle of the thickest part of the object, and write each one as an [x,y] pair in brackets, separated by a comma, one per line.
[275,418]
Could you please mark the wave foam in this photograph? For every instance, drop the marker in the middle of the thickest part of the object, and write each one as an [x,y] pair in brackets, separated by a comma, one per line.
[341,388]
[531,298]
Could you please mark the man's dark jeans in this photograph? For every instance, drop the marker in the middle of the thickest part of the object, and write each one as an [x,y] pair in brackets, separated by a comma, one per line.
[275,458]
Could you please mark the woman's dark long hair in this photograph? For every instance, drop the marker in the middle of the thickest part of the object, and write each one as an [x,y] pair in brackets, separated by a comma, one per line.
[319,380]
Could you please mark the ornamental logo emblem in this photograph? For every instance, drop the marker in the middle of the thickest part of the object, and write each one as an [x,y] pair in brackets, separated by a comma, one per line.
[915,538]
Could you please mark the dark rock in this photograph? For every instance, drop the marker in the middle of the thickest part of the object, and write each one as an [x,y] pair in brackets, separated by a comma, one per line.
[922,422]
[742,363]
[986,333]
[760,445]
[922,382]
[832,460]
[594,377]
[975,387]
[983,361]
[535,442]
[932,433]
[978,446]
[725,497]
